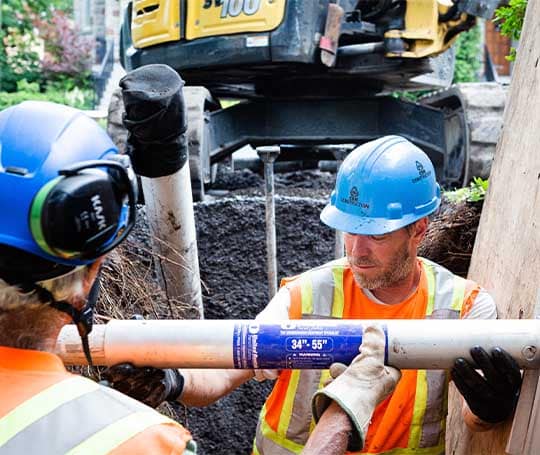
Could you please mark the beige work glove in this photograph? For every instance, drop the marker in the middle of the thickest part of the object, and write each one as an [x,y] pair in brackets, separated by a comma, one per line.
[361,387]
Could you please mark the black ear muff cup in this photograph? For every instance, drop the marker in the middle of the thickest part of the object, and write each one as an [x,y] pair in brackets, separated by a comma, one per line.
[81,212]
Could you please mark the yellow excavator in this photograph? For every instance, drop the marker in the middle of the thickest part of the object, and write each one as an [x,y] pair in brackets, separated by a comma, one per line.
[312,73]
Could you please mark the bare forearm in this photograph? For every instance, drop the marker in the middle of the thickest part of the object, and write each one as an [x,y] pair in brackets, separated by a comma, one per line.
[204,387]
[473,422]
[331,435]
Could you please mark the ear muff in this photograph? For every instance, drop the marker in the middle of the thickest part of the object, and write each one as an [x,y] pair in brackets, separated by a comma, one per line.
[86,211]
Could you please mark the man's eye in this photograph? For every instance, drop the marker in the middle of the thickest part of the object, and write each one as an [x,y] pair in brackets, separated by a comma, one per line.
[378,237]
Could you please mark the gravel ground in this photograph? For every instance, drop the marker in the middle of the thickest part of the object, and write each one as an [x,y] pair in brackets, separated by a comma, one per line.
[232,256]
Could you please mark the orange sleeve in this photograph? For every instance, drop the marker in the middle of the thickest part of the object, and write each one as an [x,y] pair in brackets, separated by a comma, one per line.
[471,291]
[292,285]
[162,439]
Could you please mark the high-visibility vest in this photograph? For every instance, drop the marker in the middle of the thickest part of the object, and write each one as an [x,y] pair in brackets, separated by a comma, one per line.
[412,420]
[77,416]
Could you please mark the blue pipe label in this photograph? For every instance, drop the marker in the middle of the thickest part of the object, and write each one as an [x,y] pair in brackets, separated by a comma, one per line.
[295,345]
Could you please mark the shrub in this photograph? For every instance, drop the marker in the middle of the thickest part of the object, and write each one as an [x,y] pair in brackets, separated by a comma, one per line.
[67,57]
[475,192]
[468,53]
[80,99]
[511,19]
[18,46]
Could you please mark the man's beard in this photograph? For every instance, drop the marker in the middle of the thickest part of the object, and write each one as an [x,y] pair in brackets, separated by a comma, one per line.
[399,268]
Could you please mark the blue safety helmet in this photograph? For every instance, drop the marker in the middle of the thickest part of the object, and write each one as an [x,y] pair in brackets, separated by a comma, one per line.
[61,182]
[382,186]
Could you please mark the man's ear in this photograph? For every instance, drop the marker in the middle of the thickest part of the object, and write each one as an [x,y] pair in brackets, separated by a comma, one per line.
[91,274]
[419,229]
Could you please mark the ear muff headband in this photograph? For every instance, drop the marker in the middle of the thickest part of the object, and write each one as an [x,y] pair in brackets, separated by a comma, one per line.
[122,182]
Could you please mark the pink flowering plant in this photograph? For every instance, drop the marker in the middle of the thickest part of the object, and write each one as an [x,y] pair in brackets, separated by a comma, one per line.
[67,56]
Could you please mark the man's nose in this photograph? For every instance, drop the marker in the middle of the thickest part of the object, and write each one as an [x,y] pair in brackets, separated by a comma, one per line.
[359,245]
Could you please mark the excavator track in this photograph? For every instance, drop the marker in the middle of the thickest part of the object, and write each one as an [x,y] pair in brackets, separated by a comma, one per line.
[474,113]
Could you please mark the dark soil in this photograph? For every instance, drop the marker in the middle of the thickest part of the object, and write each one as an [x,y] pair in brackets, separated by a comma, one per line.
[232,255]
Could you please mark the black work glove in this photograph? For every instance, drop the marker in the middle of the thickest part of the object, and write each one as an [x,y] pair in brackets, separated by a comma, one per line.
[494,396]
[150,385]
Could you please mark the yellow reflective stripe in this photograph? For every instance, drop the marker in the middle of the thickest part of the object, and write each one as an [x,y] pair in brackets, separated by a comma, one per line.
[419,411]
[278,438]
[459,293]
[430,276]
[337,307]
[119,432]
[42,404]
[286,410]
[307,293]
[437,450]
[444,409]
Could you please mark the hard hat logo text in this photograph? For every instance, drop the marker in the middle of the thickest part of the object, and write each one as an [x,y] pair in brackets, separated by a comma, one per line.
[353,199]
[422,173]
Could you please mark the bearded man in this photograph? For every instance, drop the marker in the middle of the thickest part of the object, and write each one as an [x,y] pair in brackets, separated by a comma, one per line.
[385,191]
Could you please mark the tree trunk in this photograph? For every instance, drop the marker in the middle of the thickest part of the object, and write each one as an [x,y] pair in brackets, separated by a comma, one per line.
[506,256]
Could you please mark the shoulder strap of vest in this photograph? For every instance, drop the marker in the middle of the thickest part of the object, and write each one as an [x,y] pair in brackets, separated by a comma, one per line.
[446,291]
[318,293]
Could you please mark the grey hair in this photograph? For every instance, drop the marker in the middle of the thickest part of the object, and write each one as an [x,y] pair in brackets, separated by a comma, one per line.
[26,323]
[65,287]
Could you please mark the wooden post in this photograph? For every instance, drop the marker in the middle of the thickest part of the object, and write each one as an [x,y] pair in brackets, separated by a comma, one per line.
[506,256]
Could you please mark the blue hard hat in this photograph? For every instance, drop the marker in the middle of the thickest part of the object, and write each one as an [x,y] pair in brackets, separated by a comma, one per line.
[37,140]
[382,186]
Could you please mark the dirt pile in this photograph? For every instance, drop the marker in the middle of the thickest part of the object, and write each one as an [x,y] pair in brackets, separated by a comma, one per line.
[232,255]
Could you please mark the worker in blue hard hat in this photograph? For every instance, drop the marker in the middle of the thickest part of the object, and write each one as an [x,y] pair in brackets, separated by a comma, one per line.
[66,199]
[385,191]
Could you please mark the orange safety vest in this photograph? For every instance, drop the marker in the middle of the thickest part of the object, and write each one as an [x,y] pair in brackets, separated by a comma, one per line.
[410,421]
[46,410]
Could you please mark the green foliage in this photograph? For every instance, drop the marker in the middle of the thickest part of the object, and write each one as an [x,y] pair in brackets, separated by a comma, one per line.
[80,99]
[19,45]
[475,192]
[467,56]
[511,18]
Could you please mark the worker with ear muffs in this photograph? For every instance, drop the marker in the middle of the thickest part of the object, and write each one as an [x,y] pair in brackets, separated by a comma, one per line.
[67,198]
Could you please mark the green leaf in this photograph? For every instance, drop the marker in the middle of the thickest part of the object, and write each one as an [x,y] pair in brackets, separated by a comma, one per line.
[510,18]
[476,191]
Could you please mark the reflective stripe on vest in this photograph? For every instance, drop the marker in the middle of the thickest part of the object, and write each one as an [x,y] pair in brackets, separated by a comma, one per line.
[429,417]
[75,416]
[322,296]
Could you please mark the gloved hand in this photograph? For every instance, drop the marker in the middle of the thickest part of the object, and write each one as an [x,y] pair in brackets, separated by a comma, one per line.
[150,385]
[492,397]
[335,370]
[361,387]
